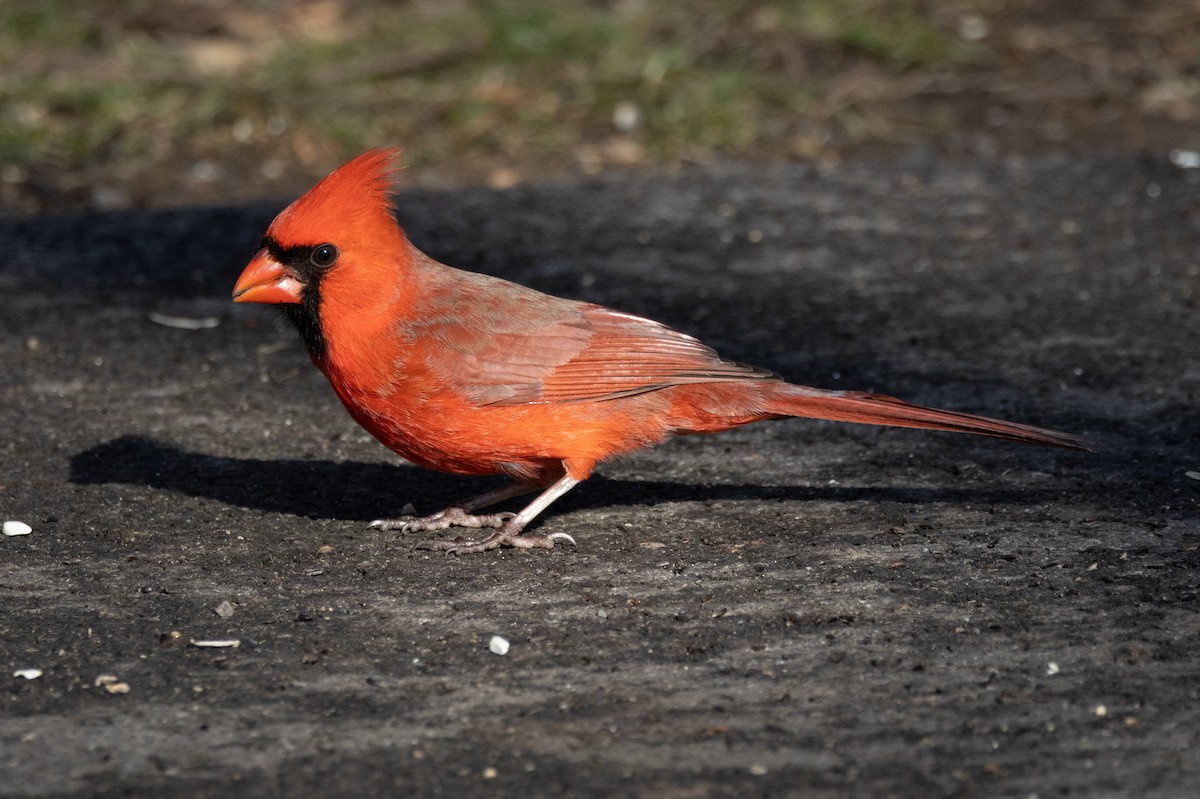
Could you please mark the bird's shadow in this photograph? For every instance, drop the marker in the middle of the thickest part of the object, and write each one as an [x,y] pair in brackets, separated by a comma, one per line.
[357,491]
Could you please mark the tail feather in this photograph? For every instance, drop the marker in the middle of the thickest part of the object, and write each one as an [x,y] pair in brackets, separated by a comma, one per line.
[859,406]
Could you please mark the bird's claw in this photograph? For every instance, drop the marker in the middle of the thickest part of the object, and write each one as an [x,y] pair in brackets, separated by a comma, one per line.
[509,526]
[450,517]
[501,538]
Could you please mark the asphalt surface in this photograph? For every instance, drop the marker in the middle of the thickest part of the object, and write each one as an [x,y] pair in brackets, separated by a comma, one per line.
[791,609]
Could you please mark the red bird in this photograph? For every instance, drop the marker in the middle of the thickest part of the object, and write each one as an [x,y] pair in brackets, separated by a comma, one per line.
[471,374]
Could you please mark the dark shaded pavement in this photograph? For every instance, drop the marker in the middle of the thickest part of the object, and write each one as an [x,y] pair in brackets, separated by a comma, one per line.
[790,609]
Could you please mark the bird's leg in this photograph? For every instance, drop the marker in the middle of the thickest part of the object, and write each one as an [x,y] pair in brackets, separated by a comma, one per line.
[509,533]
[460,514]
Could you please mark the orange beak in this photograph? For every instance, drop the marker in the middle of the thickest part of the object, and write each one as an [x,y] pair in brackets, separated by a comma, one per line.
[266,280]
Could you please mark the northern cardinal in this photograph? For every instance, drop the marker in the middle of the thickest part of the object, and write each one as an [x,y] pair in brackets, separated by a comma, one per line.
[471,374]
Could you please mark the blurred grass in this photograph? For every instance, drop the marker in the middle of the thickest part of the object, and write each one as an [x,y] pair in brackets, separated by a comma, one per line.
[157,98]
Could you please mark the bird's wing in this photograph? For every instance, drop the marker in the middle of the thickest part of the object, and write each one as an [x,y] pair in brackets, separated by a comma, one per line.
[619,355]
[528,347]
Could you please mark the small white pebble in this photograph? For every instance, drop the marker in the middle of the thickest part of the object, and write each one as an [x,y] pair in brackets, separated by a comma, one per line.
[1051,669]
[1192,475]
[758,769]
[1185,159]
[112,683]
[242,130]
[222,643]
[1101,711]
[204,171]
[28,674]
[184,322]
[973,27]
[110,198]
[17,528]
[490,773]
[626,116]
[498,645]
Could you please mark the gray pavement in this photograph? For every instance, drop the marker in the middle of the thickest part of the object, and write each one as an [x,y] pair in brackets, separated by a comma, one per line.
[790,609]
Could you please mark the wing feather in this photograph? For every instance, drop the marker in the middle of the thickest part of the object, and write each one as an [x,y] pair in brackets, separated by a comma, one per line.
[628,355]
[529,347]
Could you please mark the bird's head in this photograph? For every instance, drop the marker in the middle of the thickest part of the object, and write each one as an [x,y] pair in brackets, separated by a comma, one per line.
[336,242]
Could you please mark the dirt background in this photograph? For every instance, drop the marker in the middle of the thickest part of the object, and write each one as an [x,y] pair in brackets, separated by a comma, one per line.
[111,104]
[791,609]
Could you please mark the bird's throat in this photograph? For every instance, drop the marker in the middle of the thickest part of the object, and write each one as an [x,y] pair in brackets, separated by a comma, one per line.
[306,316]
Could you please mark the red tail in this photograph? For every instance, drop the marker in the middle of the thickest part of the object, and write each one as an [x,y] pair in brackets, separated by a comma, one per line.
[859,406]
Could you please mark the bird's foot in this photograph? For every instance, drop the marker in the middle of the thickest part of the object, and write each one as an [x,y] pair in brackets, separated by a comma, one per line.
[510,525]
[450,517]
[507,536]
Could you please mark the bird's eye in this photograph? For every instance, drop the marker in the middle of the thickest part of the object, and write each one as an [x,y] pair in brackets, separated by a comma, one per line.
[324,256]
